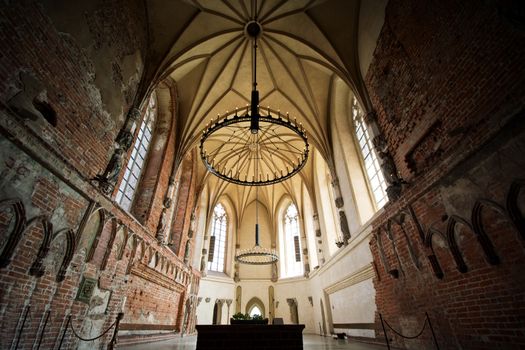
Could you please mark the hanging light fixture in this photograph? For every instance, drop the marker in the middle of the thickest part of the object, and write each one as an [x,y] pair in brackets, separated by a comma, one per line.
[256,148]
[233,143]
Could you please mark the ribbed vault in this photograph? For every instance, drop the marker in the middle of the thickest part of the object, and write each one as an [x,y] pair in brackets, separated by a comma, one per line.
[202,46]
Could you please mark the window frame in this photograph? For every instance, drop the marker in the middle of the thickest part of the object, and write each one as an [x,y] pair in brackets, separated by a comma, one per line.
[137,160]
[218,262]
[292,229]
[369,161]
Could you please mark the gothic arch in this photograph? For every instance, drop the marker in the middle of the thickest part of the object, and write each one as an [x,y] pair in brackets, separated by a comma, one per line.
[14,236]
[454,221]
[109,246]
[68,256]
[513,208]
[37,269]
[255,302]
[479,229]
[432,258]
[400,220]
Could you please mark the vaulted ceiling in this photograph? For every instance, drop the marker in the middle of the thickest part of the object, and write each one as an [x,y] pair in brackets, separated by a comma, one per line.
[304,46]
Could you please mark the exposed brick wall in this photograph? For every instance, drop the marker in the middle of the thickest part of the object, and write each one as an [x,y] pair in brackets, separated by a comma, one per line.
[66,229]
[184,205]
[150,195]
[448,86]
[90,97]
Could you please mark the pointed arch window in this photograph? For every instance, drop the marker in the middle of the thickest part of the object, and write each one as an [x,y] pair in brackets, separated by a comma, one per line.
[292,242]
[218,239]
[136,161]
[372,168]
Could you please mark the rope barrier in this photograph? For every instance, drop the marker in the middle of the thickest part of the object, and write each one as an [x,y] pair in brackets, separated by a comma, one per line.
[406,336]
[90,339]
[427,320]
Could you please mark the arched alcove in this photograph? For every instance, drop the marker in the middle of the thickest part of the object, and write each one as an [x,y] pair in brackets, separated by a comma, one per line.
[255,303]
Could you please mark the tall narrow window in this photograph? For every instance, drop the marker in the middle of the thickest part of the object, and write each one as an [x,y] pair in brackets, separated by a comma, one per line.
[292,242]
[136,161]
[218,239]
[373,171]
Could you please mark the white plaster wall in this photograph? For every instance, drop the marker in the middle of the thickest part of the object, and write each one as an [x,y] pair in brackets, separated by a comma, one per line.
[247,241]
[352,304]
[355,304]
[342,265]
[257,289]
[371,19]
[214,288]
[300,289]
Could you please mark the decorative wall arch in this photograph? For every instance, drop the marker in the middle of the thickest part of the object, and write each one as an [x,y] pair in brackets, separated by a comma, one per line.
[13,237]
[37,269]
[479,229]
[399,220]
[382,256]
[517,217]
[434,262]
[68,256]
[255,302]
[453,221]
[102,221]
[109,246]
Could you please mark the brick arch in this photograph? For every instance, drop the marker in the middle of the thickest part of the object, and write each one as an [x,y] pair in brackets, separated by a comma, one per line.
[15,234]
[184,204]
[37,269]
[517,217]
[393,272]
[101,212]
[68,256]
[109,246]
[453,222]
[479,228]
[400,220]
[159,159]
[432,258]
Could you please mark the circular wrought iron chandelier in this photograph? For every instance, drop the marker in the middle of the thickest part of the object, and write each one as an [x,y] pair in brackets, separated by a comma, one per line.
[254,149]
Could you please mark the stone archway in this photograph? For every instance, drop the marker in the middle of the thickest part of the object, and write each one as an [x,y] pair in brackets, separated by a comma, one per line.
[255,302]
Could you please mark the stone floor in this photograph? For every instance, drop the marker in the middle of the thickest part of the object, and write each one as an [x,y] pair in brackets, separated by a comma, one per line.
[310,342]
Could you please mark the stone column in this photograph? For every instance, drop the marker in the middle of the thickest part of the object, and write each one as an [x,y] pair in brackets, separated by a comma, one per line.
[219,303]
[228,303]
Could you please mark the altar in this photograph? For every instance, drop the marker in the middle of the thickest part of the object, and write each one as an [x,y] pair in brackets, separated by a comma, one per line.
[253,337]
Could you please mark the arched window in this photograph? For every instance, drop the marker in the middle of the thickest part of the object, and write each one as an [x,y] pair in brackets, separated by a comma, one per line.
[373,171]
[218,239]
[136,161]
[292,242]
[255,311]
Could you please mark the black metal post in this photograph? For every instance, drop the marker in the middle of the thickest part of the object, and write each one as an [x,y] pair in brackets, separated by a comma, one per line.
[432,330]
[113,341]
[64,333]
[22,326]
[384,331]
